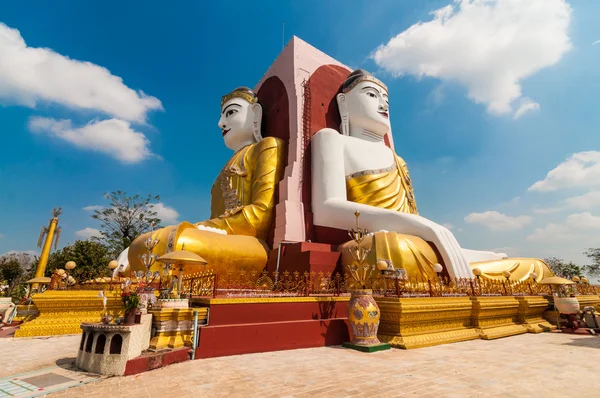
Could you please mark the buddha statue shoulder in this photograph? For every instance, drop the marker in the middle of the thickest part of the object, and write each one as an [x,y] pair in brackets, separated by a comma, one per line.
[242,197]
[354,169]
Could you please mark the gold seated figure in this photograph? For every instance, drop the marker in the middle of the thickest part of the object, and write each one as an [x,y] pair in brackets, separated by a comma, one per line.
[243,197]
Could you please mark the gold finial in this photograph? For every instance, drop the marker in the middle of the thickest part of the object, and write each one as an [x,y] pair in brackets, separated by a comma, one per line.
[360,269]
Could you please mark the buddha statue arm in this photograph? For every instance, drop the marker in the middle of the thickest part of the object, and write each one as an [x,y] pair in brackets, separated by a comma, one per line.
[265,163]
[331,208]
[477,255]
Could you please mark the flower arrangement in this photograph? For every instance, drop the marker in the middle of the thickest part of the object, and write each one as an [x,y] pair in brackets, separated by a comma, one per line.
[131,300]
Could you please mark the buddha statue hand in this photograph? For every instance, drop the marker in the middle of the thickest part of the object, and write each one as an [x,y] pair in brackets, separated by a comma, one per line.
[211,229]
[478,255]
[452,254]
[454,258]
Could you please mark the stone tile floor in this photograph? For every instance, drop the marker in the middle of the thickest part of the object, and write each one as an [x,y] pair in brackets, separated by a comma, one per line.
[544,365]
[27,354]
[45,381]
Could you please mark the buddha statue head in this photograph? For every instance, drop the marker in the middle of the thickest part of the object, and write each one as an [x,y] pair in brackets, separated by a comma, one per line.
[363,105]
[241,118]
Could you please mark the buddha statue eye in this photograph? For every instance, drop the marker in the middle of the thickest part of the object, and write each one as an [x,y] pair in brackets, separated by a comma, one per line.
[230,112]
[371,94]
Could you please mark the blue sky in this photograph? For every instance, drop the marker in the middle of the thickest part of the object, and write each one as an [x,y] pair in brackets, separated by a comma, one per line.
[486,99]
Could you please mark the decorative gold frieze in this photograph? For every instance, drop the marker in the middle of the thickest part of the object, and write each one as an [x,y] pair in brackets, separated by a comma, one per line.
[497,316]
[425,321]
[63,311]
[589,300]
[174,326]
[531,313]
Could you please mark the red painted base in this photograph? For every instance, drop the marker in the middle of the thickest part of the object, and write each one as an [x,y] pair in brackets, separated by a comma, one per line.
[150,361]
[305,257]
[268,325]
[217,341]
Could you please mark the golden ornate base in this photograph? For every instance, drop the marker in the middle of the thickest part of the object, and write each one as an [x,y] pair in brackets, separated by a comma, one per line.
[496,317]
[425,321]
[531,314]
[174,326]
[26,313]
[63,311]
[589,300]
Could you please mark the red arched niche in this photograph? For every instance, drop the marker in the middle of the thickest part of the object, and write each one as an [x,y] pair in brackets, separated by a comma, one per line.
[324,84]
[273,97]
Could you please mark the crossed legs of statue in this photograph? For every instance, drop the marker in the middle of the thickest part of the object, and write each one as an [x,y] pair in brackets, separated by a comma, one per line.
[417,257]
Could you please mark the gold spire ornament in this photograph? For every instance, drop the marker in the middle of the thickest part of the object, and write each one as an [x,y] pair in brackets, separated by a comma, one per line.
[363,312]
[52,234]
[360,269]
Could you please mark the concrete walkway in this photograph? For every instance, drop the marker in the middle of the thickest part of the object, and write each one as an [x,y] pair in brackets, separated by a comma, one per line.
[544,365]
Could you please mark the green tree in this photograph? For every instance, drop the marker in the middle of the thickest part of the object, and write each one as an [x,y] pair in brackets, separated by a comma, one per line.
[563,269]
[15,268]
[126,218]
[594,268]
[91,258]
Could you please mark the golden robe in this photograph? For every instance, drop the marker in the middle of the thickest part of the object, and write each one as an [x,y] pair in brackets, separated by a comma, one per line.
[391,188]
[242,203]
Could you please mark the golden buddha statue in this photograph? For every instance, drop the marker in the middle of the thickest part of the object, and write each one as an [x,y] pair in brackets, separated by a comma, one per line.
[242,197]
[353,170]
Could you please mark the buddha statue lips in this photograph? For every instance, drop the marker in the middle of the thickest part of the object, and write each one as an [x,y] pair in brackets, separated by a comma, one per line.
[242,197]
[354,170]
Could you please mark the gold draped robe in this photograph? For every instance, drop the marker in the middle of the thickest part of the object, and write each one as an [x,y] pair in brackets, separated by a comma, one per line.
[242,204]
[391,188]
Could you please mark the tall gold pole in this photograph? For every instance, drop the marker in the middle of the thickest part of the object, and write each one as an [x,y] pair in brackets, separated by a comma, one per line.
[50,237]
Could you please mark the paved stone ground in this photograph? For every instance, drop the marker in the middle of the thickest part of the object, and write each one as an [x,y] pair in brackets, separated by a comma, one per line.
[27,354]
[521,366]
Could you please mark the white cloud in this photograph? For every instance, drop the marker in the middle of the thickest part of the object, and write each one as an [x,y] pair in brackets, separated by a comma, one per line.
[498,221]
[575,227]
[547,210]
[596,42]
[583,221]
[30,75]
[551,233]
[488,46]
[93,208]
[527,105]
[586,201]
[167,215]
[581,169]
[88,233]
[452,227]
[113,137]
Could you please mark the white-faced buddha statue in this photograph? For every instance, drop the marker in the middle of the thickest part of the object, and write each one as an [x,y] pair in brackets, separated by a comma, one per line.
[242,197]
[354,169]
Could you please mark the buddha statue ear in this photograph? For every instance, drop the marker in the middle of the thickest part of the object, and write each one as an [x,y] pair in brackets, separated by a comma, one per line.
[257,122]
[345,124]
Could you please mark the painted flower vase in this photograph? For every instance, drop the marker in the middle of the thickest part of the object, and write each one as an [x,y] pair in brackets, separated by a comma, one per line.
[363,317]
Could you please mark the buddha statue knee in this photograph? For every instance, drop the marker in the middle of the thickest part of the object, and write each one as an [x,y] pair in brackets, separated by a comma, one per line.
[354,170]
[242,197]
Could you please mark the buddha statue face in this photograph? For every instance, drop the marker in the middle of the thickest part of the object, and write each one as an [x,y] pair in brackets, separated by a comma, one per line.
[363,105]
[241,117]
